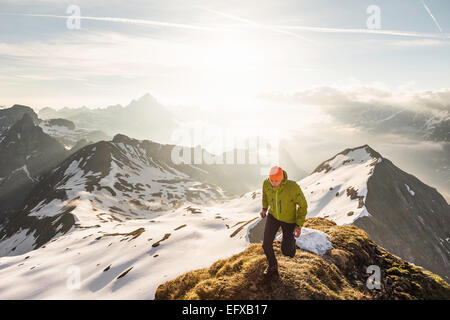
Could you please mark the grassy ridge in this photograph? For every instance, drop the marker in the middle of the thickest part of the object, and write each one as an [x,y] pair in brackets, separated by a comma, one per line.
[339,274]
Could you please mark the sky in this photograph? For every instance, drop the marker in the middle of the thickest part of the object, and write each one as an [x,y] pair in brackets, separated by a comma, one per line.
[255,64]
[216,54]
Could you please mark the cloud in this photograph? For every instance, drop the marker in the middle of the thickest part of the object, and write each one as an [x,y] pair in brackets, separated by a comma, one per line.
[401,98]
[254,24]
[421,43]
[247,23]
[80,54]
[153,23]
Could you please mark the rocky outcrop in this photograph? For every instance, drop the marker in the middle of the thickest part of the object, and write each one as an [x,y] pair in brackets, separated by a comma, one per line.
[408,218]
[10,116]
[26,155]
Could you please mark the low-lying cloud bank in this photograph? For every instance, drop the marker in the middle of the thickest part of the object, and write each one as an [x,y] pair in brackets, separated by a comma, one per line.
[403,97]
[423,115]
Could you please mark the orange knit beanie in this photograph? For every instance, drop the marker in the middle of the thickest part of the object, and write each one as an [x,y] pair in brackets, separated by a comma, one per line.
[276,173]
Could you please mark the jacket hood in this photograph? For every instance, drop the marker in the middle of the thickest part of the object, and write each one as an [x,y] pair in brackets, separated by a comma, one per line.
[285,177]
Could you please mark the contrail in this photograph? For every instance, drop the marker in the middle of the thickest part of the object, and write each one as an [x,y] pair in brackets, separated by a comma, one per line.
[126,20]
[373,31]
[431,15]
[275,28]
[257,25]
[284,28]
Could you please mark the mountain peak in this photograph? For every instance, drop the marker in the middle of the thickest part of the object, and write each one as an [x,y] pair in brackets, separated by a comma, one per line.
[9,116]
[359,154]
[121,138]
[372,152]
[365,147]
[147,97]
[21,107]
[45,109]
[147,100]
[23,124]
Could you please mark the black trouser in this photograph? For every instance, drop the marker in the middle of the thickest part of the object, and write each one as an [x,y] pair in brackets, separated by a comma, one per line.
[288,247]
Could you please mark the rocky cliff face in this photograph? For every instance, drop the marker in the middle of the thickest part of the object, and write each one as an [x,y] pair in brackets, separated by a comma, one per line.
[26,155]
[10,116]
[408,217]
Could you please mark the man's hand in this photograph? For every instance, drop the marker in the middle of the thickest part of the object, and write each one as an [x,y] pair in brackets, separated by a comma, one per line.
[297,231]
[263,213]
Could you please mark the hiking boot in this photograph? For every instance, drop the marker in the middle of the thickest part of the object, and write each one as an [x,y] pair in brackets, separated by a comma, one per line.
[271,271]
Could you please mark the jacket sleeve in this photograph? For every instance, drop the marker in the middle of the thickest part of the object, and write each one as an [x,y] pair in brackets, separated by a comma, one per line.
[265,204]
[302,207]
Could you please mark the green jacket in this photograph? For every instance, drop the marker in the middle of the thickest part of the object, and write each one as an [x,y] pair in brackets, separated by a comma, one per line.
[283,201]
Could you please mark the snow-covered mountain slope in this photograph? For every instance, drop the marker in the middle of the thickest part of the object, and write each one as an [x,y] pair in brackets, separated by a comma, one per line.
[121,178]
[127,220]
[117,256]
[337,188]
[65,132]
[117,204]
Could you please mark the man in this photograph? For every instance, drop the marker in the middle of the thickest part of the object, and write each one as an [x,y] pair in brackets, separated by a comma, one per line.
[282,196]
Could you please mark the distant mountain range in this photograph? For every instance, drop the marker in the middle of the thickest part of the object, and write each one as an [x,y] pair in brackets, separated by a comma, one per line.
[68,134]
[144,118]
[62,130]
[139,120]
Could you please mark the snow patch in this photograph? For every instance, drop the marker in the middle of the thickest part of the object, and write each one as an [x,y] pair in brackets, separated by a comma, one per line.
[49,210]
[18,243]
[25,169]
[409,190]
[312,240]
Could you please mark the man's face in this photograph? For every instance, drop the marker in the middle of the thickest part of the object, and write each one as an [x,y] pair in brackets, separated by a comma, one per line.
[275,183]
